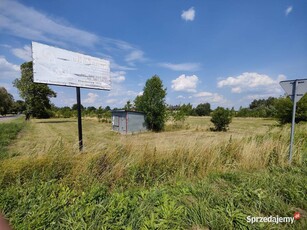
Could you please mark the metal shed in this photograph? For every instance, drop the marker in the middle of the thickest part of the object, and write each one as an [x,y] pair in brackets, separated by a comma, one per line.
[124,121]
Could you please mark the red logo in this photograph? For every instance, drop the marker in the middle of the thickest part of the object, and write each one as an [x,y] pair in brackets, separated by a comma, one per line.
[297,215]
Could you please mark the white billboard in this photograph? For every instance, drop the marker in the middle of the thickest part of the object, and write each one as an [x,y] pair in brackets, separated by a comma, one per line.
[56,66]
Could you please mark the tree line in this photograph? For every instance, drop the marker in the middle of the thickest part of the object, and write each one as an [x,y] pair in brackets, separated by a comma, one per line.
[8,105]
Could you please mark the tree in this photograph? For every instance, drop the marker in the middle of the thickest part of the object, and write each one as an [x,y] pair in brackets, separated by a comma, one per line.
[128,105]
[221,118]
[99,113]
[75,107]
[187,109]
[65,112]
[138,103]
[6,101]
[19,106]
[152,103]
[178,116]
[203,109]
[284,107]
[91,109]
[263,107]
[36,96]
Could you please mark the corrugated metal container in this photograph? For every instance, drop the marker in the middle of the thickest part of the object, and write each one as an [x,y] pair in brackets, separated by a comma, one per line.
[125,122]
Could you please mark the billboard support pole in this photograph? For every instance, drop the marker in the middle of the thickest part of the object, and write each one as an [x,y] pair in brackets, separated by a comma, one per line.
[79,119]
[293,120]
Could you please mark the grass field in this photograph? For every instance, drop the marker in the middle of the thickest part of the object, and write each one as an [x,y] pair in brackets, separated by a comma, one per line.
[188,178]
[8,131]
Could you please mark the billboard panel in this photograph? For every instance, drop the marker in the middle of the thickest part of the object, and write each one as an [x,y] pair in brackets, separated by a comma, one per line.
[56,66]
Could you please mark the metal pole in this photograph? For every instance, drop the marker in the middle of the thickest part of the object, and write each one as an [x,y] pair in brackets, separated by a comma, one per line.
[293,120]
[79,119]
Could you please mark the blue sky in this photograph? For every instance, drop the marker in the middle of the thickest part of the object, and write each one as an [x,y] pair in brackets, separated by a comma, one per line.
[226,53]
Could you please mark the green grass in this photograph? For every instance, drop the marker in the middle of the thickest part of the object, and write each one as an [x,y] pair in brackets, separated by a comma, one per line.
[8,132]
[220,201]
[184,179]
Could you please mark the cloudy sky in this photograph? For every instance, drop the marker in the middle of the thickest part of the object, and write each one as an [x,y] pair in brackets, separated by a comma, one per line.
[225,52]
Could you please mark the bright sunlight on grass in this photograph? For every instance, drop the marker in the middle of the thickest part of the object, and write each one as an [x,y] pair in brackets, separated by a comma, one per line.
[189,178]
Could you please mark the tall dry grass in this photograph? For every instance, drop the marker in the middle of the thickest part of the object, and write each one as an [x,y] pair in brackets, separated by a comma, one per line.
[49,150]
[189,178]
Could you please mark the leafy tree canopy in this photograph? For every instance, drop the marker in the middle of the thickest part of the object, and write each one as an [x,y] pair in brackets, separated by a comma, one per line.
[284,110]
[18,106]
[128,105]
[152,103]
[221,118]
[203,109]
[36,96]
[75,107]
[6,101]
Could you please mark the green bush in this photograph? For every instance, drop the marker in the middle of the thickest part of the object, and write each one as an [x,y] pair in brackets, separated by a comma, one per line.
[284,110]
[221,119]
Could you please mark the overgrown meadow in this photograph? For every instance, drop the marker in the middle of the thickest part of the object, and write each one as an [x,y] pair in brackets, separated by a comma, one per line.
[186,177]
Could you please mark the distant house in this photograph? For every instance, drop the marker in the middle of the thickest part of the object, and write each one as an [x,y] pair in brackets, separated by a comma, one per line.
[126,122]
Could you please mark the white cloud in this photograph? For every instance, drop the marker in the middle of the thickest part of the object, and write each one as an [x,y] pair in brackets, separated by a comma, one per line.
[118,79]
[114,93]
[7,66]
[131,93]
[236,90]
[252,82]
[26,22]
[117,66]
[121,92]
[203,94]
[188,15]
[135,55]
[112,101]
[185,83]
[118,44]
[181,97]
[23,53]
[6,46]
[210,97]
[91,98]
[181,66]
[281,77]
[118,76]
[288,10]
[132,53]
[8,71]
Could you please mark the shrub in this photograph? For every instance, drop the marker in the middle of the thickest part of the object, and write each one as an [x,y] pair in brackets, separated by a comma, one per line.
[284,110]
[221,118]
